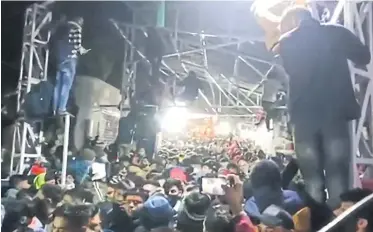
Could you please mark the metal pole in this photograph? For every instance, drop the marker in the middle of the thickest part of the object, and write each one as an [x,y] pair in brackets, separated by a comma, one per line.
[209,47]
[239,37]
[207,101]
[29,76]
[47,51]
[237,107]
[123,90]
[65,149]
[33,35]
[238,91]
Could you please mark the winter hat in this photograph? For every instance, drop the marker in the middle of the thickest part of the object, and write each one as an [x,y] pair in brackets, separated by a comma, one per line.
[156,212]
[275,216]
[265,173]
[193,211]
[88,154]
[219,218]
[266,184]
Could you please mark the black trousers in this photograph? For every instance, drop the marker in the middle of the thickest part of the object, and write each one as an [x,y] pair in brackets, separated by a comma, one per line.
[324,158]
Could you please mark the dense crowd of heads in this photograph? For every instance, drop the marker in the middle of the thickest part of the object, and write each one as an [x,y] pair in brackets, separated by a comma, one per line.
[167,193]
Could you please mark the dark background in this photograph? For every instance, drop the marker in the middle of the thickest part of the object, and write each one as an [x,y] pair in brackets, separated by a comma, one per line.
[11,40]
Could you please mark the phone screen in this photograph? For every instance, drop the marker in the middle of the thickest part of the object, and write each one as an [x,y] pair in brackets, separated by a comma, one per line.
[212,186]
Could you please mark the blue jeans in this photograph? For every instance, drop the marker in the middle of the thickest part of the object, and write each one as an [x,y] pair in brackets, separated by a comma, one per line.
[64,81]
[324,148]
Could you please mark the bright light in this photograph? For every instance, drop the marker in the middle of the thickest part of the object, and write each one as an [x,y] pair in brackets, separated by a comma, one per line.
[175,120]
[180,103]
[223,128]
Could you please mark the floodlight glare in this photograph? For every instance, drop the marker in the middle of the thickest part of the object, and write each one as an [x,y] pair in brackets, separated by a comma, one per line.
[175,120]
[223,128]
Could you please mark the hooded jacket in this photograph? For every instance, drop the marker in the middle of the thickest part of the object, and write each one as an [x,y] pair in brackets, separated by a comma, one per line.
[320,82]
[291,202]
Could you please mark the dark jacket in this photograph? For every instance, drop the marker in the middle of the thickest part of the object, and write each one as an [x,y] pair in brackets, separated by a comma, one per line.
[69,41]
[38,101]
[292,203]
[315,58]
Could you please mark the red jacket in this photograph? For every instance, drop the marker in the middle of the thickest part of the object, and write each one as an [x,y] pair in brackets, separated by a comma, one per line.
[242,223]
[37,169]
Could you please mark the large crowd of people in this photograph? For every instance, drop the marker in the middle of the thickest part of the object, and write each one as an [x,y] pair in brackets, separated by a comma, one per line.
[132,193]
[214,184]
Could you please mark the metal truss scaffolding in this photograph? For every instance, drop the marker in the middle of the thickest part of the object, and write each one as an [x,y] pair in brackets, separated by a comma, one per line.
[358,17]
[186,51]
[191,50]
[34,63]
[28,133]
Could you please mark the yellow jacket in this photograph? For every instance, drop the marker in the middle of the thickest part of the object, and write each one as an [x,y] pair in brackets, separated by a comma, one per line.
[141,172]
[39,181]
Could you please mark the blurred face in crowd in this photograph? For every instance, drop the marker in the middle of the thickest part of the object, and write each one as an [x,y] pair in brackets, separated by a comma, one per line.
[67,199]
[174,191]
[95,223]
[244,166]
[136,160]
[23,185]
[145,162]
[131,203]
[59,224]
[344,206]
[149,188]
[359,224]
[53,181]
[110,194]
[174,194]
[69,182]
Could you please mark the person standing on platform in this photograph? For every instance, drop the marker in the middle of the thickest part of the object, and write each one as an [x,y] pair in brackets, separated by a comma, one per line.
[69,47]
[321,98]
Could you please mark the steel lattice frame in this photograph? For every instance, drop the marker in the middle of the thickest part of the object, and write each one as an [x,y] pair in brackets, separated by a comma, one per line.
[225,94]
[34,68]
[358,17]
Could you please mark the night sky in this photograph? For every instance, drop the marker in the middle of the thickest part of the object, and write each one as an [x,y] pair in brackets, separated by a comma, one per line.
[11,39]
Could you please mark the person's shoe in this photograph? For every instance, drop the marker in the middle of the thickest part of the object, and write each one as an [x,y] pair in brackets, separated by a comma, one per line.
[62,113]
